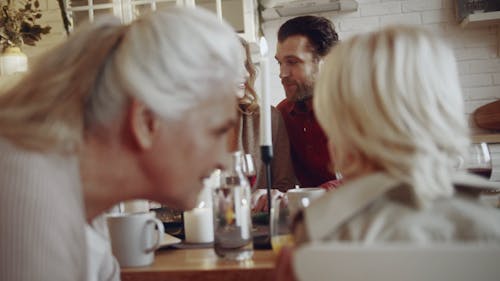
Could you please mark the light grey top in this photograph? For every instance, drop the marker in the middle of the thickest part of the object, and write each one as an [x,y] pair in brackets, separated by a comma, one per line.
[42,235]
[377,208]
[101,264]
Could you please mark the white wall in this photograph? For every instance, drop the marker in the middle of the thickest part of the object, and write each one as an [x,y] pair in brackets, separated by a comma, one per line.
[475,48]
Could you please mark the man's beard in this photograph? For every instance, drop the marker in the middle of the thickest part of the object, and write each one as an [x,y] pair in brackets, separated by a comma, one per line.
[303,91]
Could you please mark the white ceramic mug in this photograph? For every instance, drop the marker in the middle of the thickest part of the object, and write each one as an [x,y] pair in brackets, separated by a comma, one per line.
[299,198]
[134,238]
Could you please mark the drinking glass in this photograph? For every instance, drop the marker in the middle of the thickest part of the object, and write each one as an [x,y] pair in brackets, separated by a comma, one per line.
[280,224]
[231,210]
[300,198]
[248,168]
[479,160]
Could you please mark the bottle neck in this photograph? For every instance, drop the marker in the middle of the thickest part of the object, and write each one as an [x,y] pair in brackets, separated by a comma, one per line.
[234,176]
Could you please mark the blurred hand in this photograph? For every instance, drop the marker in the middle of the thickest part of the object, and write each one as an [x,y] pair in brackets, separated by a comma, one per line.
[259,199]
[283,270]
[329,185]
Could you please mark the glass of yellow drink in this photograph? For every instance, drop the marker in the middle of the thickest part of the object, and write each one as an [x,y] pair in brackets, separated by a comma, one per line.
[279,223]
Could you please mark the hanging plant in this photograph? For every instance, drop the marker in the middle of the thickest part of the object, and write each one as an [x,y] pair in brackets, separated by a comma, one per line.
[18,23]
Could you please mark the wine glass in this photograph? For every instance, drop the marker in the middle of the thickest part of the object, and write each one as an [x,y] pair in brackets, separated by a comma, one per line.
[249,169]
[479,160]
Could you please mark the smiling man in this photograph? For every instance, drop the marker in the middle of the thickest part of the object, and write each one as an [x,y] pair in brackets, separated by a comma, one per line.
[302,44]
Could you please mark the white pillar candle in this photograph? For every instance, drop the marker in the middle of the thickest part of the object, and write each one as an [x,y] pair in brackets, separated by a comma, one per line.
[218,4]
[265,108]
[244,221]
[198,225]
[242,214]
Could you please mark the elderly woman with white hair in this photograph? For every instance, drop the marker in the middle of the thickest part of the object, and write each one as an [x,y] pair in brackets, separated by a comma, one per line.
[391,105]
[116,112]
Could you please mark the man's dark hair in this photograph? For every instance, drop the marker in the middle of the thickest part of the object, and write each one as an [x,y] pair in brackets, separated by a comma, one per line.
[319,30]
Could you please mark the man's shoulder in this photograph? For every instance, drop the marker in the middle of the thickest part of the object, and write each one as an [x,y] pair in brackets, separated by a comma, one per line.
[284,106]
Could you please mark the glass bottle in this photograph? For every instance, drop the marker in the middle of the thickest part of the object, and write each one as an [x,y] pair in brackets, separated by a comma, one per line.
[231,207]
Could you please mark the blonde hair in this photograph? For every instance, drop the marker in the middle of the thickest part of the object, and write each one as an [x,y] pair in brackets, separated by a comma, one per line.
[249,103]
[170,60]
[392,99]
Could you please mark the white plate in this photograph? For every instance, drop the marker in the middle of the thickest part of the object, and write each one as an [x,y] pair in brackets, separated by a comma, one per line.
[169,240]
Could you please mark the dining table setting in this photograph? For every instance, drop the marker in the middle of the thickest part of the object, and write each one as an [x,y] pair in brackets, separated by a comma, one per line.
[185,248]
[180,264]
[223,238]
[179,258]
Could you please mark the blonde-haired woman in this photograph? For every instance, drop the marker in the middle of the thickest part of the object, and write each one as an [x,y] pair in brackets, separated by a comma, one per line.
[245,136]
[391,103]
[116,112]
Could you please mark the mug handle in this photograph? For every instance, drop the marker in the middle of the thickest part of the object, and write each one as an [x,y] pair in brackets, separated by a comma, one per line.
[159,233]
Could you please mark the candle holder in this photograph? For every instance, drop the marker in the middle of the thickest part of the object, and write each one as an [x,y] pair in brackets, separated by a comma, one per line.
[266,148]
[266,152]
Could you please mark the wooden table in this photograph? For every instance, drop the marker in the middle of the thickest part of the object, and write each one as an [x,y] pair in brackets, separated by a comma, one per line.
[202,264]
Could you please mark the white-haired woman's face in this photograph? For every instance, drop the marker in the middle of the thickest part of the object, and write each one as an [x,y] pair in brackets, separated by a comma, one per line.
[190,149]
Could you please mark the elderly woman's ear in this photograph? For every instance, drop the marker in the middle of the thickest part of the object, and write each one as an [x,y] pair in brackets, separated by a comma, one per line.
[142,124]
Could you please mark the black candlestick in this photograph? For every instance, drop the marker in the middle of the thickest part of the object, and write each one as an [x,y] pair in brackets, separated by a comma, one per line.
[266,154]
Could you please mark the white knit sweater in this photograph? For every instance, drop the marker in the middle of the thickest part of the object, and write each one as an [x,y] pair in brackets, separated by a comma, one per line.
[42,235]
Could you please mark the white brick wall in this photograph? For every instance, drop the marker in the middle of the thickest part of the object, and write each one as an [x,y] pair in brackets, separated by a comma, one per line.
[378,9]
[476,80]
[475,48]
[420,5]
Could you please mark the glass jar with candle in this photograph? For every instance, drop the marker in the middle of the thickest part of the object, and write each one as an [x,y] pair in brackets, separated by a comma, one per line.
[232,220]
